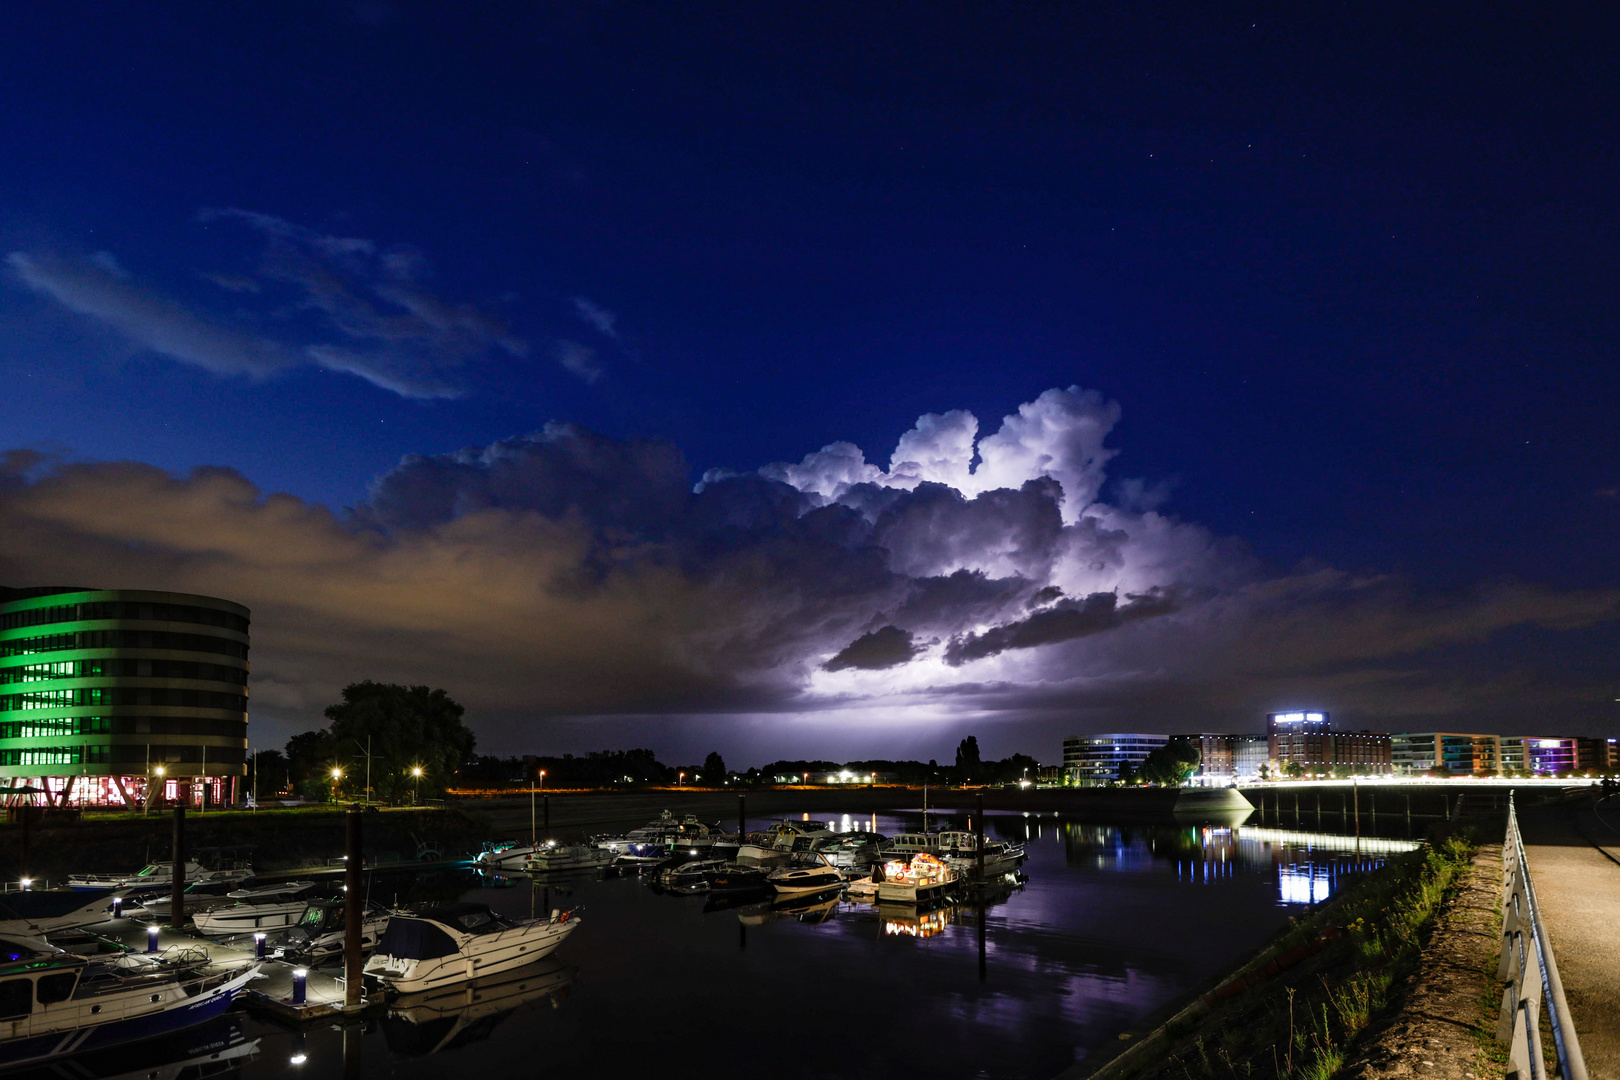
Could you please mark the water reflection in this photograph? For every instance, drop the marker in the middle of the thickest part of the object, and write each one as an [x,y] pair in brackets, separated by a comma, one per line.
[218,1048]
[434,1021]
[1307,866]
[1105,924]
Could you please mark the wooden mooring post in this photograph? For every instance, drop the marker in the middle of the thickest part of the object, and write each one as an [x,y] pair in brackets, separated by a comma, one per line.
[354,903]
[177,898]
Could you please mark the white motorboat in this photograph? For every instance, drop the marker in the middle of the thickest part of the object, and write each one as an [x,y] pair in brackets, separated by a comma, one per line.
[261,908]
[646,835]
[441,946]
[55,1003]
[849,850]
[552,857]
[200,896]
[320,933]
[959,850]
[37,912]
[805,872]
[658,838]
[507,855]
[784,836]
[157,875]
[922,879]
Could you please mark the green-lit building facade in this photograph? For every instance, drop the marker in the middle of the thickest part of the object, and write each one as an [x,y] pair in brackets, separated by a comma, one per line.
[119,697]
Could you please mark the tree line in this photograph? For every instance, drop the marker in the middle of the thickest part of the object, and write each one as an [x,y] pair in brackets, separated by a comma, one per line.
[409,743]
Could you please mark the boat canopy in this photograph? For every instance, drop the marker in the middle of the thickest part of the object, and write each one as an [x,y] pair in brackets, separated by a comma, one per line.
[416,939]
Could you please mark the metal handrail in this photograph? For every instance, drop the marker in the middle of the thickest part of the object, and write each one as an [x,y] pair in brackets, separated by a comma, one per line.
[1523,935]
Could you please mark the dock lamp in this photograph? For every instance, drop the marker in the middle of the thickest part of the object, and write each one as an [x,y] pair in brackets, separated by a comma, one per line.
[151,939]
[258,945]
[300,985]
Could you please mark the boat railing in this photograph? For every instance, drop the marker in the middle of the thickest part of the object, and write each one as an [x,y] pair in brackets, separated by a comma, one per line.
[1528,968]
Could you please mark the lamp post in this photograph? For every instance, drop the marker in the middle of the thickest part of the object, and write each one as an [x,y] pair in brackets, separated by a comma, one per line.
[416,787]
[149,795]
[337,774]
[680,778]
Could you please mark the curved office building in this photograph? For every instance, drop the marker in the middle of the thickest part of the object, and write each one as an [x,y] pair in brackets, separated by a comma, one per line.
[115,697]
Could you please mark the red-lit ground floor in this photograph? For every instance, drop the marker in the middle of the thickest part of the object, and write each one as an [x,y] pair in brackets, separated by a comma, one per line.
[130,792]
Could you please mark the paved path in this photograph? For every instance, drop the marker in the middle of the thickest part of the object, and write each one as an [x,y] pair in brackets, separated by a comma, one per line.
[1578,886]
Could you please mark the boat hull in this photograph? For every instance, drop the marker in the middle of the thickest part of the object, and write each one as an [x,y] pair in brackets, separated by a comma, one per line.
[419,976]
[200,1009]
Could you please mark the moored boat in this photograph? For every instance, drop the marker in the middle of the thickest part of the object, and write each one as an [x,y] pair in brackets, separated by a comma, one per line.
[923,879]
[321,932]
[260,908]
[441,946]
[507,855]
[157,875]
[805,872]
[959,850]
[903,846]
[54,1003]
[689,877]
[37,912]
[552,857]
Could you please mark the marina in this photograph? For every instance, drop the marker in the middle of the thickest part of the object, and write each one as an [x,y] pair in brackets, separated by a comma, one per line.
[1099,927]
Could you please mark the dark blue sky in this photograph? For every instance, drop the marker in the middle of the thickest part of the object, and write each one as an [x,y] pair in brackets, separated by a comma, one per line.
[1349,272]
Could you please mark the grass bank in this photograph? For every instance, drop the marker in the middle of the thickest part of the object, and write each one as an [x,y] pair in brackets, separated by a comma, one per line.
[1296,1011]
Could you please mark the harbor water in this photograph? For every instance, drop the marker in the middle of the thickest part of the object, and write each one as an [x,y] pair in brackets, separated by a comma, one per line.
[1104,928]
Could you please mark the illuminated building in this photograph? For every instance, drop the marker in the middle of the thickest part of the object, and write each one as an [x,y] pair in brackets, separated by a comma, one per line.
[1546,755]
[1089,760]
[1228,759]
[109,696]
[1308,739]
[1413,753]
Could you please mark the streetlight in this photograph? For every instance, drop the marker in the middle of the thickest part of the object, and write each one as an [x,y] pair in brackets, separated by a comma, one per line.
[337,774]
[680,778]
[416,788]
[159,771]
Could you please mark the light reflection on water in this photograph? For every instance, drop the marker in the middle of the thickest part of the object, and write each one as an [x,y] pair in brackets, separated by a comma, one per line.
[1113,923]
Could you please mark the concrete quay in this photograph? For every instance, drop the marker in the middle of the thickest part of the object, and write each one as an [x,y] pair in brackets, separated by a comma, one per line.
[1574,855]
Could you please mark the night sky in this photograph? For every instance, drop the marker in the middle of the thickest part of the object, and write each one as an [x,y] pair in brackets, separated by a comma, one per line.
[831,380]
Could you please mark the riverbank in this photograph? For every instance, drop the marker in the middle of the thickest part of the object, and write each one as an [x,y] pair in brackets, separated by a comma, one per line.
[1349,984]
[285,838]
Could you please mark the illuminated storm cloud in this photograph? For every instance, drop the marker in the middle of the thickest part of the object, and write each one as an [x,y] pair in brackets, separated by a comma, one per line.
[566,573]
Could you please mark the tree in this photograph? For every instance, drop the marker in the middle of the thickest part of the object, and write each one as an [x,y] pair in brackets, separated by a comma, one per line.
[1127,775]
[1172,764]
[1294,770]
[309,758]
[967,757]
[270,772]
[714,767]
[403,728]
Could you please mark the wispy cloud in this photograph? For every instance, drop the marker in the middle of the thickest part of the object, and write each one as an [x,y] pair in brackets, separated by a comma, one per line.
[605,321]
[343,303]
[578,359]
[151,321]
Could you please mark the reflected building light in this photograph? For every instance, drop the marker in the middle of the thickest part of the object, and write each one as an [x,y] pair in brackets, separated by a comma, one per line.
[1305,885]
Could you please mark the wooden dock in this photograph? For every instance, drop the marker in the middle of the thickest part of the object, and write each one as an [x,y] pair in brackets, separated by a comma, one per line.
[270,995]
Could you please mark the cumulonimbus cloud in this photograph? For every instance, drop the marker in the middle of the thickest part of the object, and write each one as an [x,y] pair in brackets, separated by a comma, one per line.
[567,573]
